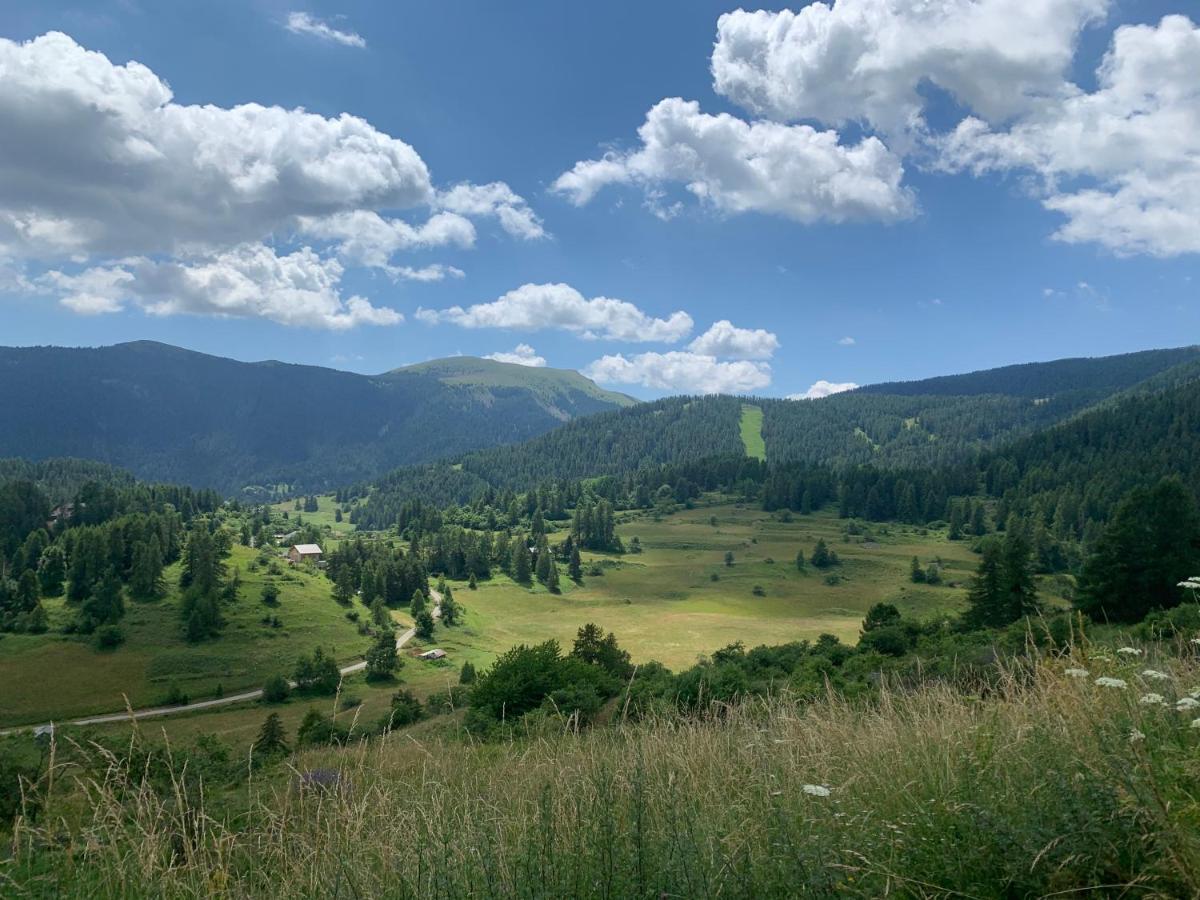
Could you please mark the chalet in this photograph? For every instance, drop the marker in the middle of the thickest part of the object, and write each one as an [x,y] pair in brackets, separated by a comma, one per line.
[61,513]
[433,654]
[304,553]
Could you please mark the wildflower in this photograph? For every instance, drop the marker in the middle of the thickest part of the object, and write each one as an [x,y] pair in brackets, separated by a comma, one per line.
[1195,640]
[1156,675]
[1077,673]
[1152,700]
[1136,736]
[1185,703]
[1196,723]
[1105,681]
[1129,651]
[815,790]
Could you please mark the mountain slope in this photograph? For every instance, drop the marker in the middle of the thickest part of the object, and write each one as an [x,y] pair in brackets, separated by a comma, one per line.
[551,385]
[175,415]
[892,431]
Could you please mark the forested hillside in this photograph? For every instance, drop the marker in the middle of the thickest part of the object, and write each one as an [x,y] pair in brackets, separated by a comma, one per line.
[170,414]
[931,432]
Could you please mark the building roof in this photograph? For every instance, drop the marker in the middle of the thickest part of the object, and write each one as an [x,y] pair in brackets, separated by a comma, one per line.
[306,549]
[433,654]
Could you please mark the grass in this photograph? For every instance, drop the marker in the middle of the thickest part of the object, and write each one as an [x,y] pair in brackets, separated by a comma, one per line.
[1036,790]
[662,603]
[52,676]
[751,427]
[324,518]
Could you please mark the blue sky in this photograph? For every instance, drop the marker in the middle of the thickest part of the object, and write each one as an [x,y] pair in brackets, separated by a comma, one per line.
[1007,243]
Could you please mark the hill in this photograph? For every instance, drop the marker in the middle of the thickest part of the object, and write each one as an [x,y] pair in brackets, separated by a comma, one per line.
[169,414]
[902,430]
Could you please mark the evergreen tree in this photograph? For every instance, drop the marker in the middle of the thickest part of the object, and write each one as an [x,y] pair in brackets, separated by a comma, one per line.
[821,558]
[522,564]
[417,606]
[146,578]
[52,571]
[801,562]
[1150,545]
[424,625]
[380,615]
[728,557]
[466,675]
[543,566]
[916,573]
[271,737]
[382,658]
[552,584]
[472,583]
[1016,569]
[450,609]
[985,595]
[104,606]
[575,566]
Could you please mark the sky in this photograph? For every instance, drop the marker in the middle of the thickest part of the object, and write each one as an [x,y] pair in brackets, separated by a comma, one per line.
[672,197]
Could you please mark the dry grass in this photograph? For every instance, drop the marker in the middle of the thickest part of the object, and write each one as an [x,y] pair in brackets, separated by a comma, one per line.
[1035,790]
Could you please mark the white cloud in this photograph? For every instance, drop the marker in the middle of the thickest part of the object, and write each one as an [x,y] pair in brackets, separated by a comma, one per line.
[98,159]
[521,355]
[867,60]
[727,340]
[496,200]
[98,164]
[303,23]
[249,281]
[367,238]
[824,388]
[734,166]
[847,341]
[534,307]
[1121,163]
[683,372]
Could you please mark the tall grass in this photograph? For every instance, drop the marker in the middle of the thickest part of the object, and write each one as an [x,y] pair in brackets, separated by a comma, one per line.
[1050,786]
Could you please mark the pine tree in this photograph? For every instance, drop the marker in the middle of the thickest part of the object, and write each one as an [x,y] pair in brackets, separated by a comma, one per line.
[820,555]
[382,658]
[450,609]
[985,595]
[271,738]
[575,566]
[801,562]
[52,571]
[544,564]
[417,606]
[472,583]
[424,625]
[552,583]
[146,579]
[1016,572]
[522,564]
[916,573]
[466,675]
[380,615]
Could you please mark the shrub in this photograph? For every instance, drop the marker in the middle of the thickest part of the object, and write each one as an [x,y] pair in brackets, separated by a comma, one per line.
[109,637]
[276,689]
[175,696]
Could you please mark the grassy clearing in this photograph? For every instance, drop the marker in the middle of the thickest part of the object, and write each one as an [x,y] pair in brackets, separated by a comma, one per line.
[663,604]
[1036,790]
[324,518]
[751,427]
[52,676]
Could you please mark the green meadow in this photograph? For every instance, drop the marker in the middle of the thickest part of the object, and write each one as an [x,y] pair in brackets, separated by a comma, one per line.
[675,601]
[54,676]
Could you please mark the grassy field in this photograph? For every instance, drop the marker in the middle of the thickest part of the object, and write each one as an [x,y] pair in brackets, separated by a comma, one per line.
[54,676]
[751,426]
[1051,786]
[324,518]
[663,603]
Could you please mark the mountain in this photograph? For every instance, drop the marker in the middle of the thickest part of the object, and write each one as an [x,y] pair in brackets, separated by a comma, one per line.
[169,414]
[1101,376]
[904,429]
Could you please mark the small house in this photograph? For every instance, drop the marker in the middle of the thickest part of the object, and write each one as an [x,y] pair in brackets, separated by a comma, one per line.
[433,654]
[304,553]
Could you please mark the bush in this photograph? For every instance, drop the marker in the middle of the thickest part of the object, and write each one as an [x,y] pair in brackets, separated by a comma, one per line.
[276,689]
[175,696]
[758,591]
[109,637]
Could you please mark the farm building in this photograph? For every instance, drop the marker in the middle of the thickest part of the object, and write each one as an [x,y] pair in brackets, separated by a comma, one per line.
[433,654]
[304,553]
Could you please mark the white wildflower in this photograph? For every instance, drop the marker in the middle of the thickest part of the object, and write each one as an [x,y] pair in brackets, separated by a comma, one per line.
[1196,723]
[1195,640]
[1077,673]
[1136,736]
[1129,651]
[1186,703]
[1105,681]
[1152,700]
[815,790]
[1156,675]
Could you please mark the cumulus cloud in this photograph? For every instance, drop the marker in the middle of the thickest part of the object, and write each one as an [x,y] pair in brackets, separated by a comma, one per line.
[98,164]
[249,281]
[682,372]
[824,388]
[303,23]
[1121,163]
[866,60]
[847,341]
[521,355]
[734,166]
[496,200]
[727,340]
[534,307]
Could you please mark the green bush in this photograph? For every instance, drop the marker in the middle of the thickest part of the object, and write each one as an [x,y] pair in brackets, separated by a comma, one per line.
[276,689]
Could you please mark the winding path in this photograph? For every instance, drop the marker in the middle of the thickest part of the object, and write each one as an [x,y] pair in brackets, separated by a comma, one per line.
[200,705]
